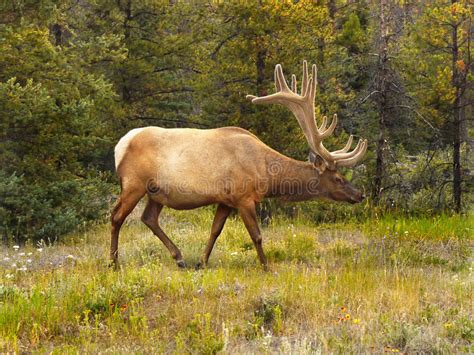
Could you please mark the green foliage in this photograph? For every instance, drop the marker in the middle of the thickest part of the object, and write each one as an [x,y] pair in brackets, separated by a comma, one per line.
[53,136]
[352,35]
[199,337]
[427,67]
[268,316]
[48,210]
[75,76]
[420,184]
[249,38]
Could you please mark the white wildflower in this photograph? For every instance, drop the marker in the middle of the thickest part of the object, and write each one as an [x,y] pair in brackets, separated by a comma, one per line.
[234,253]
[30,253]
[16,247]
[39,250]
[6,258]
[9,276]
[22,254]
[28,260]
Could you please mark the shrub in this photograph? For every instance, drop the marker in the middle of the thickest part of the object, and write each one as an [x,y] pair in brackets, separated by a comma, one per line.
[48,210]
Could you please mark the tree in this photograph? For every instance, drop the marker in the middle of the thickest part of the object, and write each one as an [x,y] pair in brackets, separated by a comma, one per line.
[383,95]
[53,133]
[438,55]
[163,40]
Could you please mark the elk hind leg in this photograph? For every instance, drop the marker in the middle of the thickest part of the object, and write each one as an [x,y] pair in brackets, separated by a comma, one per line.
[150,218]
[127,201]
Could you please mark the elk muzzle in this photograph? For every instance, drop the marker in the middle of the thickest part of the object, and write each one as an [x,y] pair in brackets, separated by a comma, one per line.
[353,195]
[346,192]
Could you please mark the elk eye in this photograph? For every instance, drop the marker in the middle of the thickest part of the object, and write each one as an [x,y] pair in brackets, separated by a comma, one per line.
[339,180]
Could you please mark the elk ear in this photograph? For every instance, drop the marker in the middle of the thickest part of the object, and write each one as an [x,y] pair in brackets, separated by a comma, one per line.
[317,161]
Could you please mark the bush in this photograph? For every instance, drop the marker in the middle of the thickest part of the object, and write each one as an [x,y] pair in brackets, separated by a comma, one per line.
[54,135]
[48,210]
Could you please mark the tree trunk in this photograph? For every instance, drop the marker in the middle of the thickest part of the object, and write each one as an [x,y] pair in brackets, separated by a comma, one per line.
[260,66]
[382,103]
[264,210]
[332,8]
[456,126]
[126,95]
[57,32]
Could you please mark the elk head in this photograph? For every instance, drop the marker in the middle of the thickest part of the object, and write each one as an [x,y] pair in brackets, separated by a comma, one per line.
[332,184]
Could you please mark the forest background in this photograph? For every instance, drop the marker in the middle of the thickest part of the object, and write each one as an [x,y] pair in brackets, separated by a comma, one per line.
[76,75]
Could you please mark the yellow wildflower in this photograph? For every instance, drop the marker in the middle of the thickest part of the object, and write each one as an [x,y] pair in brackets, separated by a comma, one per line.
[448,325]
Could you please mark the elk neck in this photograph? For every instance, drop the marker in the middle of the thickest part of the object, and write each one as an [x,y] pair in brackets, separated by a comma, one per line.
[292,180]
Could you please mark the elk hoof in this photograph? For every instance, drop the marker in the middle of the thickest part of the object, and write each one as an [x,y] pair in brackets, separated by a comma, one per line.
[181,264]
[113,264]
[200,265]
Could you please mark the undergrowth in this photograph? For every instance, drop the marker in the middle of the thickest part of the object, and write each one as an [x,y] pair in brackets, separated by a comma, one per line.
[387,284]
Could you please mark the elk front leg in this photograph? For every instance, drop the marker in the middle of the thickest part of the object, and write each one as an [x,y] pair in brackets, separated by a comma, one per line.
[249,216]
[126,203]
[150,218]
[220,217]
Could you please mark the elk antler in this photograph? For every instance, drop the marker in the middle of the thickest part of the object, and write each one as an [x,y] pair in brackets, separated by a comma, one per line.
[302,107]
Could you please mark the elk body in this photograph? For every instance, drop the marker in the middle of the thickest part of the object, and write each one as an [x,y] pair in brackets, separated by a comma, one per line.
[186,168]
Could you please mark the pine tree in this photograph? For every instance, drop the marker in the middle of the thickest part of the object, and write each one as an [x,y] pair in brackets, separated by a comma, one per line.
[438,56]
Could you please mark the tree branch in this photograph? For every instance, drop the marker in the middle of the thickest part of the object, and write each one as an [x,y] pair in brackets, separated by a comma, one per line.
[419,115]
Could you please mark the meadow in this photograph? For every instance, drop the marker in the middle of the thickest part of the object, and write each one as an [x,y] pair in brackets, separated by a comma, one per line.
[396,285]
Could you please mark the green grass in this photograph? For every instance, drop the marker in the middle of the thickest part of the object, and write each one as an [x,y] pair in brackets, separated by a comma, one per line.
[396,285]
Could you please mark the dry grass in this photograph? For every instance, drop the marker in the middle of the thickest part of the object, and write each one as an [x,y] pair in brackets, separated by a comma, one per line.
[385,286]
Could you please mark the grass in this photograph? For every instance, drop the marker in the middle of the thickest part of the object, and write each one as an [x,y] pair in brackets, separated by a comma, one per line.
[386,285]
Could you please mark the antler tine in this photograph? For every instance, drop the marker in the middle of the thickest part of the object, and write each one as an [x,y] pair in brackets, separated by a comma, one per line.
[353,160]
[281,79]
[276,79]
[347,146]
[302,107]
[314,76]
[294,84]
[327,132]
[345,155]
[323,124]
[283,94]
[304,82]
[332,158]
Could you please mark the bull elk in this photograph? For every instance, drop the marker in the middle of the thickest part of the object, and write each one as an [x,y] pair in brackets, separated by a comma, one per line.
[185,168]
